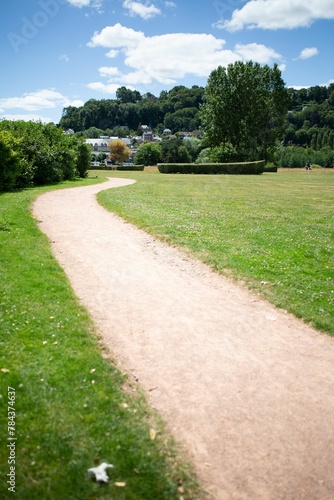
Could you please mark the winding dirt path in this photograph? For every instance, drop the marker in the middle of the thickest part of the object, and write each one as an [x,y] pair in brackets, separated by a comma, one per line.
[245,388]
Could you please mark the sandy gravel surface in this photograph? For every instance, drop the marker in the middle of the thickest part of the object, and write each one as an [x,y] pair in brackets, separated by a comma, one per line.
[245,388]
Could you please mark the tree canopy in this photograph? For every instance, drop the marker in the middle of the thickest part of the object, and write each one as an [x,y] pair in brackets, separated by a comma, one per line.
[245,105]
[33,153]
[119,151]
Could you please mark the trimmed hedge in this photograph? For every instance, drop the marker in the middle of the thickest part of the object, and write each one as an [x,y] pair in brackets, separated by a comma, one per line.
[130,167]
[242,168]
[270,169]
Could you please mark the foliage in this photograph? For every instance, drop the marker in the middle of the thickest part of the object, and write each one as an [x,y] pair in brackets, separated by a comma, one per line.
[83,160]
[132,110]
[297,157]
[275,232]
[184,119]
[119,151]
[148,154]
[193,145]
[245,168]
[46,154]
[174,151]
[9,160]
[219,154]
[72,409]
[132,168]
[245,106]
[126,95]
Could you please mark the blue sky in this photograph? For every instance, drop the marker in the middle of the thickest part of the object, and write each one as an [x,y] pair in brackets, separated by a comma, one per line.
[56,53]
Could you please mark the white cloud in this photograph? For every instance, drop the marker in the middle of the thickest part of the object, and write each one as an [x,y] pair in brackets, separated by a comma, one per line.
[170,57]
[142,10]
[308,52]
[41,99]
[79,3]
[112,54]
[27,118]
[257,52]
[104,88]
[95,4]
[116,36]
[278,14]
[109,71]
[64,58]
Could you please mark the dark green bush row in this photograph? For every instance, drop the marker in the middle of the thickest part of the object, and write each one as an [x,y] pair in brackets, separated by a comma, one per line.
[254,167]
[271,168]
[130,167]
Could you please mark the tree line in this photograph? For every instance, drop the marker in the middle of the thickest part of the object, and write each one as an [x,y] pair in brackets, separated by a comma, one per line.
[177,109]
[232,113]
[245,114]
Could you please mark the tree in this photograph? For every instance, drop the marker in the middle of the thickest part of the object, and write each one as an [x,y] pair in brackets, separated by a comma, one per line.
[9,160]
[119,151]
[148,154]
[127,95]
[173,151]
[245,105]
[83,159]
[193,145]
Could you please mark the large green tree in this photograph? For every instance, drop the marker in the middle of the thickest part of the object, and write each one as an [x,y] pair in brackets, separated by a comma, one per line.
[148,154]
[245,105]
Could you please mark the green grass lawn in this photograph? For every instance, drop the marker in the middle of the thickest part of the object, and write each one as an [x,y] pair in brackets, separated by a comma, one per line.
[274,232]
[73,409]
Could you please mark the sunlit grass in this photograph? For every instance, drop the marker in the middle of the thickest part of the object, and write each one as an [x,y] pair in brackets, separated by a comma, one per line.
[275,232]
[72,411]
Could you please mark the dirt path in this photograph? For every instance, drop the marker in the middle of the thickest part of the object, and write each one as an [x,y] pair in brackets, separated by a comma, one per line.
[246,389]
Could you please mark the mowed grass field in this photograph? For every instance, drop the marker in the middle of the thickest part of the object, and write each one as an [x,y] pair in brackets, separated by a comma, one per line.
[64,407]
[274,232]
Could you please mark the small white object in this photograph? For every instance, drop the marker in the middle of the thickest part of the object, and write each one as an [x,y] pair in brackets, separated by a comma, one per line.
[100,472]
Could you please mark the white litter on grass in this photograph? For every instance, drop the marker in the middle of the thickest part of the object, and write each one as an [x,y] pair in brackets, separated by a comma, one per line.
[100,472]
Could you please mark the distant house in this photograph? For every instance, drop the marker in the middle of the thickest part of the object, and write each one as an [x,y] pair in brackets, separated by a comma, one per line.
[182,135]
[167,132]
[148,136]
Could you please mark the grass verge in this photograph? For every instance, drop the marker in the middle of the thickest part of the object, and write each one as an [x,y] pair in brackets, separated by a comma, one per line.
[69,411]
[275,232]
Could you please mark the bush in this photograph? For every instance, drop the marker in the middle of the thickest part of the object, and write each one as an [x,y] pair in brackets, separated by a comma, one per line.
[245,168]
[270,168]
[148,154]
[297,157]
[130,167]
[83,160]
[9,161]
[45,153]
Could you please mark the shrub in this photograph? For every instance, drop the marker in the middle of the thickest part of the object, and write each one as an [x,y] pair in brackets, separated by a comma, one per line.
[148,154]
[245,168]
[270,168]
[9,161]
[130,167]
[83,160]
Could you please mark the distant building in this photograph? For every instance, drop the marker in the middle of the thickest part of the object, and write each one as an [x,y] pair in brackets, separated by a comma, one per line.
[148,136]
